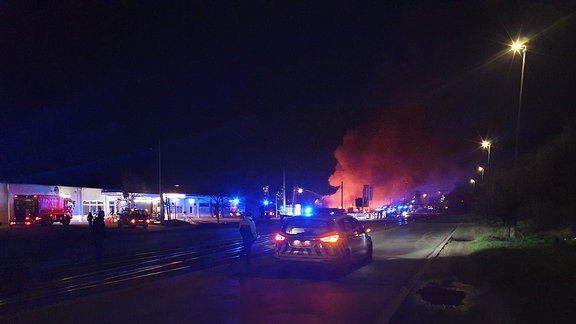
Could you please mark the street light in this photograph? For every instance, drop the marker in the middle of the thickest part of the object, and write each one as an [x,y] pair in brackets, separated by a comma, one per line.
[302,190]
[473,183]
[486,145]
[481,170]
[520,48]
[319,196]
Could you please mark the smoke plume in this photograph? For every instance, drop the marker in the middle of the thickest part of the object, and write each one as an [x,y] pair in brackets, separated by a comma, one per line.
[396,154]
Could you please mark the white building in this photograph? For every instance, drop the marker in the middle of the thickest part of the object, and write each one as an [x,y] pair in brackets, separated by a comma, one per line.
[177,206]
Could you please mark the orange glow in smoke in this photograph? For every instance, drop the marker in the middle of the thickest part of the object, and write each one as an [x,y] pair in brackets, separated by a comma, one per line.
[394,154]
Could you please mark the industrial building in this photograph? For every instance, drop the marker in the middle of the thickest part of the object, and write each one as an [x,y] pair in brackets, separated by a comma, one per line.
[177,206]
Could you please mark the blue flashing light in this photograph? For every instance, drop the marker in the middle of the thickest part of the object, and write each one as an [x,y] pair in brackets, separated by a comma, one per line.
[307,211]
[236,201]
[266,202]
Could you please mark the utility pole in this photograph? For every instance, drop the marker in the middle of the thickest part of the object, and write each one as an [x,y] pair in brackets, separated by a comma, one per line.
[283,190]
[161,211]
[342,194]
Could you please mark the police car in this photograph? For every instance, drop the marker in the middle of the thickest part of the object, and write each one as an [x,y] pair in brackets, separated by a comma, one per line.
[330,237]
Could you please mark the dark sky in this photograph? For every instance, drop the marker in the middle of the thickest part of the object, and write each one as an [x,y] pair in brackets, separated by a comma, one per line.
[235,92]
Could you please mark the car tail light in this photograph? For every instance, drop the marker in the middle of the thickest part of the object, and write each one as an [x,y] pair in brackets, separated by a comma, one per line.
[330,239]
[147,221]
[279,237]
[133,221]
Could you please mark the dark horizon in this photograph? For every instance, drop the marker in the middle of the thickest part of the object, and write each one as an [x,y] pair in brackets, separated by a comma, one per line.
[397,95]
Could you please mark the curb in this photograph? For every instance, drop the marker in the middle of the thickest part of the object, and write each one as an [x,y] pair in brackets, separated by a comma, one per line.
[400,297]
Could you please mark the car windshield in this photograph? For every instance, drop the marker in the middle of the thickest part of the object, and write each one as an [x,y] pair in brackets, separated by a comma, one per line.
[308,226]
[140,214]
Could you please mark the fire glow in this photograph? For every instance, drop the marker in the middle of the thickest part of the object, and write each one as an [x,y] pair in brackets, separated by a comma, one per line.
[396,155]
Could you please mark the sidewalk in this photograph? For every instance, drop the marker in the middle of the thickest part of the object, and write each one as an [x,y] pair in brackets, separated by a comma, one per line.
[447,290]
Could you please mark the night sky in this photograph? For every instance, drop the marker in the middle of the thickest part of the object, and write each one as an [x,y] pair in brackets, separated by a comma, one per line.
[229,95]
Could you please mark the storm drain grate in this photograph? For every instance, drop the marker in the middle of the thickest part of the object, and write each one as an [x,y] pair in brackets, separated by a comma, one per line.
[442,294]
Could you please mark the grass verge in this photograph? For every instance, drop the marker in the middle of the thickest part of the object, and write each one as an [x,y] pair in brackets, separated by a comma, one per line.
[530,279]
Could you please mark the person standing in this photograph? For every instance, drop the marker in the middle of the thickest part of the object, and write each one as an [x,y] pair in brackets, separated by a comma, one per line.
[90,218]
[248,232]
[99,232]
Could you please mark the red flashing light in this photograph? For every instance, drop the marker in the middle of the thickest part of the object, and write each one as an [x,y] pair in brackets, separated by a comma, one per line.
[330,239]
[279,237]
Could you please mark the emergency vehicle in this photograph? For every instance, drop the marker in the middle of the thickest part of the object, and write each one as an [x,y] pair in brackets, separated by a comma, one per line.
[133,217]
[41,209]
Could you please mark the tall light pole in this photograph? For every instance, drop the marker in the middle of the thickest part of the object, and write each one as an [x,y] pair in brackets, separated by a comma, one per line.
[486,145]
[284,190]
[161,202]
[342,194]
[520,48]
[473,183]
[481,170]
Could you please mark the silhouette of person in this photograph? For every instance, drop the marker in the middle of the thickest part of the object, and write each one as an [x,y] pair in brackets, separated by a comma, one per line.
[99,232]
[248,232]
[90,218]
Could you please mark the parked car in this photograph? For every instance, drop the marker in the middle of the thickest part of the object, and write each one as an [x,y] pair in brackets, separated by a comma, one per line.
[325,237]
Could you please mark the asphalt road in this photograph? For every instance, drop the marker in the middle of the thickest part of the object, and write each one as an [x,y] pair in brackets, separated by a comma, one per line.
[177,282]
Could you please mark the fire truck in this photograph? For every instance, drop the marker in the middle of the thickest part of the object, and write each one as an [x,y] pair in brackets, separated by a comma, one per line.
[41,209]
[235,207]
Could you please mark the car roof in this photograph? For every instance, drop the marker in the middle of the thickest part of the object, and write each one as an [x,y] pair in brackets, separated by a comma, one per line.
[333,211]
[329,213]
[323,216]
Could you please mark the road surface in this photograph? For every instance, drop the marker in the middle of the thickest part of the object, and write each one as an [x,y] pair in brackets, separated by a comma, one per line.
[219,288]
